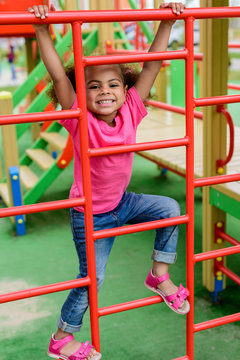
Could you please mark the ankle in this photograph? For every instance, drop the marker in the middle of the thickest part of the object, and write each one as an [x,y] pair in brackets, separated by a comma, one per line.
[59,335]
[159,268]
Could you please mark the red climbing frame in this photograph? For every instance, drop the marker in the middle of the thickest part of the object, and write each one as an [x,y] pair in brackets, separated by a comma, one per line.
[77,19]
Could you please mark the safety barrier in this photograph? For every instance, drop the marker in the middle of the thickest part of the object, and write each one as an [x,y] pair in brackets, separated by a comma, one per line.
[77,19]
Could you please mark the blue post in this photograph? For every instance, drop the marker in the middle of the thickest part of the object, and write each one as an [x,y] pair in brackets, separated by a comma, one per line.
[218,288]
[17,198]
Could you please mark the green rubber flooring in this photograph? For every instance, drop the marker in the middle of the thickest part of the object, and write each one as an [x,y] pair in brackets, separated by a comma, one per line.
[46,255]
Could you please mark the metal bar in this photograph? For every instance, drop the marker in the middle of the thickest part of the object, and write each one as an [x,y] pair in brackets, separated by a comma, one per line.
[173,108]
[40,207]
[217,322]
[122,59]
[225,112]
[231,275]
[129,229]
[217,100]
[217,253]
[86,16]
[43,290]
[234,45]
[113,309]
[36,117]
[227,237]
[189,94]
[138,147]
[233,86]
[214,180]
[86,181]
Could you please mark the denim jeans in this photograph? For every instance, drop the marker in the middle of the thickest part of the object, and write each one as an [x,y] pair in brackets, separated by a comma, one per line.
[132,209]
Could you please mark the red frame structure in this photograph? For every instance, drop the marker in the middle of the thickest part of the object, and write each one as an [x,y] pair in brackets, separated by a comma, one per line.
[20,5]
[77,19]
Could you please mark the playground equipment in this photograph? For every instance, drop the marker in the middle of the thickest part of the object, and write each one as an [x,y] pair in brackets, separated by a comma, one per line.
[32,185]
[21,30]
[221,199]
[77,19]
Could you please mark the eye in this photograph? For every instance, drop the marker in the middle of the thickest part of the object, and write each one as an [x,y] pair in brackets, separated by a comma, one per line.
[94,87]
[114,85]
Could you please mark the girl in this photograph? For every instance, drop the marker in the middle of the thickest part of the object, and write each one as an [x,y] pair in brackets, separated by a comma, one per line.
[115,108]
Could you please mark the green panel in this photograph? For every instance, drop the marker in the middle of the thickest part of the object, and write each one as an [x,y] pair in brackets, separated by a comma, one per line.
[90,43]
[121,35]
[43,183]
[177,69]
[40,143]
[38,105]
[225,203]
[42,100]
[143,24]
[39,71]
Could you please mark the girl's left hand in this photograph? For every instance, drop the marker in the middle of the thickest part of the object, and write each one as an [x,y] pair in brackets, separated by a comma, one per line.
[177,8]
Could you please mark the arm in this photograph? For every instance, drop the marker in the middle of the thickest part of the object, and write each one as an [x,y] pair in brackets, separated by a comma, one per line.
[62,85]
[151,68]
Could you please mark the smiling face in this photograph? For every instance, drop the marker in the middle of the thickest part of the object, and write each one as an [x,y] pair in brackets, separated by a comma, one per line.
[105,91]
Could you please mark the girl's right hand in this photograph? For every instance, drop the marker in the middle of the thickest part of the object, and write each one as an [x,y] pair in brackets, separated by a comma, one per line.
[41,12]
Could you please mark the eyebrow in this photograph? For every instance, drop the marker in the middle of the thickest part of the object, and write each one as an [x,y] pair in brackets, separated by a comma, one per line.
[98,81]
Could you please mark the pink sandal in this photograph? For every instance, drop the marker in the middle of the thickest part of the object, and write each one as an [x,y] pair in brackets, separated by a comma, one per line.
[175,300]
[81,354]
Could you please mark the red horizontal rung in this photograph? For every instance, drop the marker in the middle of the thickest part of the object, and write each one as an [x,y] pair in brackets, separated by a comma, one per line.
[173,108]
[227,237]
[217,100]
[234,45]
[122,59]
[129,305]
[216,322]
[214,180]
[129,229]
[138,147]
[40,207]
[36,117]
[231,275]
[233,86]
[43,290]
[63,17]
[217,253]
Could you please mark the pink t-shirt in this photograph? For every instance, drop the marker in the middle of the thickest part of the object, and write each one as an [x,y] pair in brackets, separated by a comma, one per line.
[110,175]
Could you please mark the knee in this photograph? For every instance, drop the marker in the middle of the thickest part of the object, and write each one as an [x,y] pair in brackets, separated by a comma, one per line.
[174,208]
[100,281]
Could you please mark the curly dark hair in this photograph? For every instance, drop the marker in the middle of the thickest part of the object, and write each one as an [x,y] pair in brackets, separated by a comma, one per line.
[129,75]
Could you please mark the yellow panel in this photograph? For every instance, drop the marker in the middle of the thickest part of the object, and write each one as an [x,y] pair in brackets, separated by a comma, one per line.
[214,45]
[9,140]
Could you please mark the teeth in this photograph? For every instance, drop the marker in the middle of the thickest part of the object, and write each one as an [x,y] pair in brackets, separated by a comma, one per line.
[105,101]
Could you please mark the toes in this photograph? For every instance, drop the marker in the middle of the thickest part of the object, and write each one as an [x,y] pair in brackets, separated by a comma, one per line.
[92,353]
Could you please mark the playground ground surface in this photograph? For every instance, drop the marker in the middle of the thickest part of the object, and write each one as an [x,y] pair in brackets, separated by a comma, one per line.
[46,255]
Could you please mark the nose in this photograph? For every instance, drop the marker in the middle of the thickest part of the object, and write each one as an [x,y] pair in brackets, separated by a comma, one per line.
[105,90]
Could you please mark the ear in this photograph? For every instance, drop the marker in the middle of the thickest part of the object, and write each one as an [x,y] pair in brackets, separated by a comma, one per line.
[125,90]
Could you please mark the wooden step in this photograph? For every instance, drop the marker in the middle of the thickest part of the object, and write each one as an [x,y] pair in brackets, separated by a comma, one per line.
[55,139]
[28,177]
[41,158]
[4,193]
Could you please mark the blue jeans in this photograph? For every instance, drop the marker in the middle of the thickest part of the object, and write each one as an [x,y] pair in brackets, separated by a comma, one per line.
[132,209]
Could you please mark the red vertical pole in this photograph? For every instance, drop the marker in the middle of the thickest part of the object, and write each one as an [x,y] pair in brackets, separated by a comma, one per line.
[117,4]
[190,180]
[86,179]
[137,36]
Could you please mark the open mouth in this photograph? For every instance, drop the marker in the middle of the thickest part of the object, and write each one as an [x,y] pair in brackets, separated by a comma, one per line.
[105,102]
